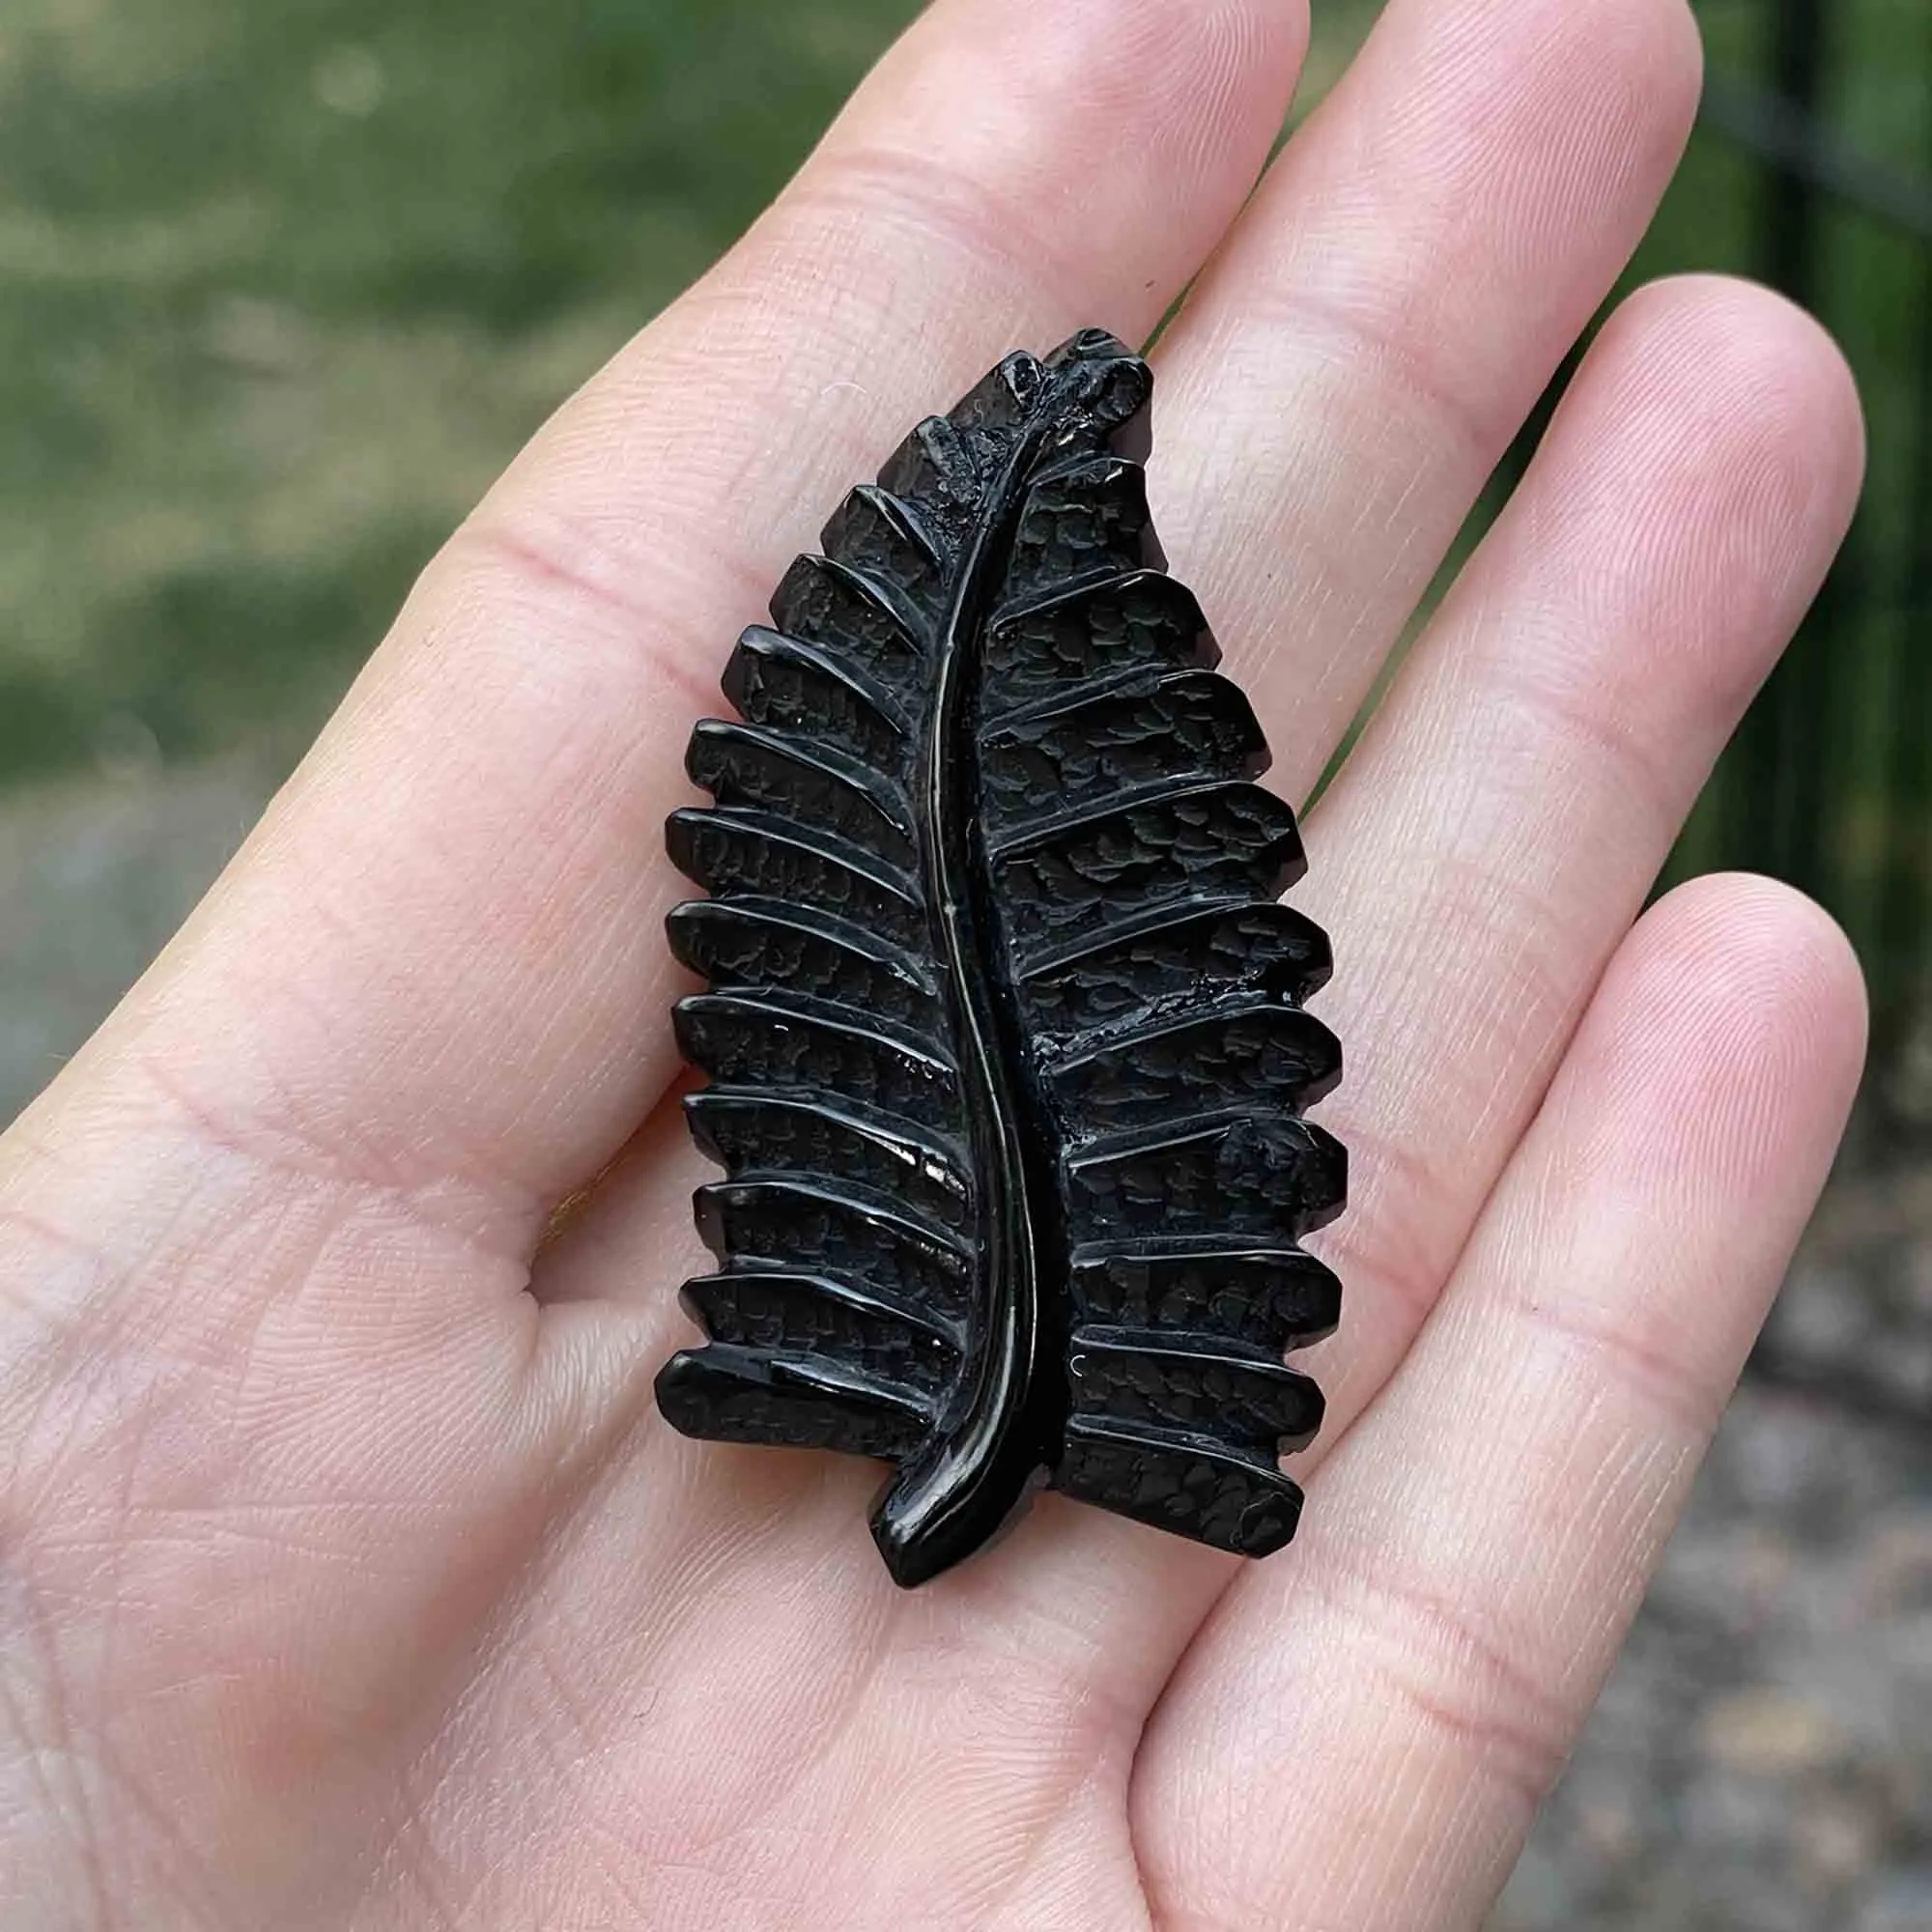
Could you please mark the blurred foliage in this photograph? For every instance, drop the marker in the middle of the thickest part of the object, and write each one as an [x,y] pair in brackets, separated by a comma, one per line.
[286,281]
[1831,784]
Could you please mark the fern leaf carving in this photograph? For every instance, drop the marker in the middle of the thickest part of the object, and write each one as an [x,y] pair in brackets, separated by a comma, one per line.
[1004,1034]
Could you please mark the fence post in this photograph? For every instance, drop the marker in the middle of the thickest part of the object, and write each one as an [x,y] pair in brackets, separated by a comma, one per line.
[1905,910]
[1780,804]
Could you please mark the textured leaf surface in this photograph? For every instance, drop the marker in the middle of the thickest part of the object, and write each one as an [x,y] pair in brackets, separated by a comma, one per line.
[1005,1030]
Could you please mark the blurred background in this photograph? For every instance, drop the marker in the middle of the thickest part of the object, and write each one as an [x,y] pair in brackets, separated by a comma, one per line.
[283,283]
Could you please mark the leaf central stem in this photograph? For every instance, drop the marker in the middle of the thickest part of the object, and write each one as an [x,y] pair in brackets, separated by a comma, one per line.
[1012,1405]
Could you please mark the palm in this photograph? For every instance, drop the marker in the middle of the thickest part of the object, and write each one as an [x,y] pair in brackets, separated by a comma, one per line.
[349,1577]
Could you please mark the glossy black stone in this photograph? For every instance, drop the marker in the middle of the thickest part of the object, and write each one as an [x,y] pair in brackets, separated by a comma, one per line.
[1005,1030]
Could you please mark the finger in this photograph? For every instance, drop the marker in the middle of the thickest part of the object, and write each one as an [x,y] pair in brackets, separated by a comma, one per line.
[1386,316]
[1501,824]
[443,952]
[1394,1704]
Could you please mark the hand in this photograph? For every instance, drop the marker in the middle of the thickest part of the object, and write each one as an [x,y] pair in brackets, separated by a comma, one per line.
[349,1575]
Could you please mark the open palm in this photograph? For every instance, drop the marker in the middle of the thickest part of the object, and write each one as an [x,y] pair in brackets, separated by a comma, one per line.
[349,1577]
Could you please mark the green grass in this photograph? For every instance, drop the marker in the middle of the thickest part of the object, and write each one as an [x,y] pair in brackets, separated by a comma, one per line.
[286,281]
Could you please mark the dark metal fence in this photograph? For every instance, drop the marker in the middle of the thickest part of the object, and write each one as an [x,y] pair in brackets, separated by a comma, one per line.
[1816,144]
[1830,783]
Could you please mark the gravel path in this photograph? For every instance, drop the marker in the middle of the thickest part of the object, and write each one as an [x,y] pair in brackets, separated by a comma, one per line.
[1762,1759]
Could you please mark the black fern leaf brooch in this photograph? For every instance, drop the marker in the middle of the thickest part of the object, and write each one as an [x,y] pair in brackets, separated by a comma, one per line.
[1004,1033]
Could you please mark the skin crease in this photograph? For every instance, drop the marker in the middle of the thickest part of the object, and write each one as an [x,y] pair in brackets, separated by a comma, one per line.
[347,1574]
